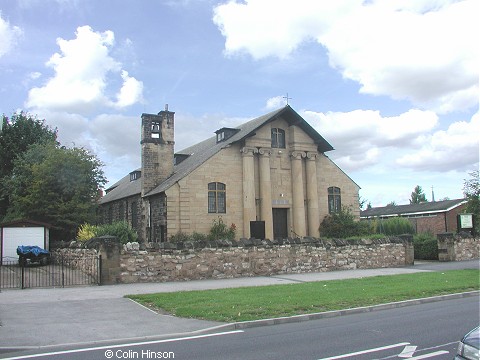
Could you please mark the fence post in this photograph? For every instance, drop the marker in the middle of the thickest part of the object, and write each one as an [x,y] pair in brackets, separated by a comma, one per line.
[23,274]
[99,267]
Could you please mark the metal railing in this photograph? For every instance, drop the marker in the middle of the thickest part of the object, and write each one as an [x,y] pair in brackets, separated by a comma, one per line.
[58,272]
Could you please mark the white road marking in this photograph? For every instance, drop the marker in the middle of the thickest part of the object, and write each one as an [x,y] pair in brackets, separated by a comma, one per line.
[366,351]
[407,352]
[125,345]
[426,356]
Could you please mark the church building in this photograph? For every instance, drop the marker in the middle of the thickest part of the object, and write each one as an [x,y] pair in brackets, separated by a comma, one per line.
[269,176]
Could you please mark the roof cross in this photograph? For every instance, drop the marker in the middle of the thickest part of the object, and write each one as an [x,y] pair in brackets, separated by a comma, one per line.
[287,98]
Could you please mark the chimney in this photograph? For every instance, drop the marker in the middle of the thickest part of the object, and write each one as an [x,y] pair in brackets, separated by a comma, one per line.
[157,148]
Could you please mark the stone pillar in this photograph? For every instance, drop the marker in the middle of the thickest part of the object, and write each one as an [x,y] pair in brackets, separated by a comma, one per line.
[446,247]
[313,216]
[249,211]
[409,249]
[298,197]
[266,192]
[109,248]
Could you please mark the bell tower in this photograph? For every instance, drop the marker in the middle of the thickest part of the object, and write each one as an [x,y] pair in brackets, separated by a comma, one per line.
[157,148]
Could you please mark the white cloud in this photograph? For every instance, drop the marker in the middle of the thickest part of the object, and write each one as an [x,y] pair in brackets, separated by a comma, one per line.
[425,50]
[9,35]
[82,70]
[275,102]
[455,148]
[131,91]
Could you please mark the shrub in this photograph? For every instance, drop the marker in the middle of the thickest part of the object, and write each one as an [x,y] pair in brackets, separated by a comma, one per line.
[394,226]
[425,246]
[343,225]
[221,231]
[86,232]
[120,229]
[180,237]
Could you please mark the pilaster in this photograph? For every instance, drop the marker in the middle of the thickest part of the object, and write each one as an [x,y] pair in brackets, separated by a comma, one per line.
[298,197]
[313,216]
[266,191]
[249,211]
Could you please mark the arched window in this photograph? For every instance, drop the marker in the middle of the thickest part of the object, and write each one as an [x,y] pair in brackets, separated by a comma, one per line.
[217,198]
[278,138]
[334,200]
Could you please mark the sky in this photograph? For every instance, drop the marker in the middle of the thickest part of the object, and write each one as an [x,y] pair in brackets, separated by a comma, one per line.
[392,85]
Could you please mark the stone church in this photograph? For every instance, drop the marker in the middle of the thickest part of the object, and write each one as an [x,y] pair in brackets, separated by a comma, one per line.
[269,176]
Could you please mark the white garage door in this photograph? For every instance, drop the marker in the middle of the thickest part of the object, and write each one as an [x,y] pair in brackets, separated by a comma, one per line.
[13,237]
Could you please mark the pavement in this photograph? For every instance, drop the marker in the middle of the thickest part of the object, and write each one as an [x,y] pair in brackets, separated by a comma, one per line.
[48,317]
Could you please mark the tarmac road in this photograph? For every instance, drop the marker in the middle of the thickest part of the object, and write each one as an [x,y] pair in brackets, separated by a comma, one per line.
[34,318]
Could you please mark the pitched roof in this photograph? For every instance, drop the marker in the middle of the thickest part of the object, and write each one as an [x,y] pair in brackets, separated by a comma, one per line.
[197,154]
[413,209]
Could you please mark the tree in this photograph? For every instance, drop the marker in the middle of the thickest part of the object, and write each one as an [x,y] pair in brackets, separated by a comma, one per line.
[471,190]
[392,203]
[56,185]
[17,134]
[418,196]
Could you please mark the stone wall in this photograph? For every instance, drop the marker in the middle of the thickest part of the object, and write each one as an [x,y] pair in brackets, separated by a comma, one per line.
[227,259]
[457,247]
[75,258]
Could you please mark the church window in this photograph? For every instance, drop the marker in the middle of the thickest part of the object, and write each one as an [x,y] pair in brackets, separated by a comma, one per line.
[278,138]
[334,200]
[217,198]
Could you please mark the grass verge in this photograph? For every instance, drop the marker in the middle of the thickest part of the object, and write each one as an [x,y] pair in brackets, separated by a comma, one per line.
[261,302]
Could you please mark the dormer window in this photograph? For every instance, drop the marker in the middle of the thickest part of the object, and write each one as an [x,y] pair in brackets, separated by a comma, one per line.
[134,175]
[225,133]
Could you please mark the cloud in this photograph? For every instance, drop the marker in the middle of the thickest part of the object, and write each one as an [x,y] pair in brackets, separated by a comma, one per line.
[275,102]
[425,51]
[9,35]
[82,75]
[454,148]
[130,93]
[365,138]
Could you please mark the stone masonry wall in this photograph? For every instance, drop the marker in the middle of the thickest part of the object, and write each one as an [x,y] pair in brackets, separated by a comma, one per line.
[457,247]
[75,259]
[227,259]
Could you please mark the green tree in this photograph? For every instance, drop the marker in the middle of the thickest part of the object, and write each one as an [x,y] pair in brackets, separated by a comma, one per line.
[471,190]
[418,196]
[56,185]
[17,134]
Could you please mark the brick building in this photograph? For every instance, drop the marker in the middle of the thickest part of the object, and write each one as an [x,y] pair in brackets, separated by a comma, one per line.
[429,217]
[269,176]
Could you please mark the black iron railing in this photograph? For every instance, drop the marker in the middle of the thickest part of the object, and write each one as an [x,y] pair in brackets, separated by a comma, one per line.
[60,271]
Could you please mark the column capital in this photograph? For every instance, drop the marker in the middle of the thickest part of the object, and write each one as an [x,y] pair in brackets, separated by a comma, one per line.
[298,155]
[265,151]
[248,151]
[312,155]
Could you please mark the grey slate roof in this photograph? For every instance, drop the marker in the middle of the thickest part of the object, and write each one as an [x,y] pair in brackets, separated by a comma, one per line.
[204,150]
[412,209]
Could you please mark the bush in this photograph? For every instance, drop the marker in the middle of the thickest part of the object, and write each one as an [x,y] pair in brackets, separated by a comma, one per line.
[180,237]
[86,232]
[343,225]
[394,226]
[425,247]
[120,229]
[221,231]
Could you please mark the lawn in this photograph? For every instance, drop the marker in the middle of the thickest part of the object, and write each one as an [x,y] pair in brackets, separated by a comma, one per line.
[261,302]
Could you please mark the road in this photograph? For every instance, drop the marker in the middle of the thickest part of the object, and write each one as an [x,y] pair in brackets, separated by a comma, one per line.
[426,331]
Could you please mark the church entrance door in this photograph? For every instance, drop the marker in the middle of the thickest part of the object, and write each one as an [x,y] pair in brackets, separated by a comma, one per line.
[280,228]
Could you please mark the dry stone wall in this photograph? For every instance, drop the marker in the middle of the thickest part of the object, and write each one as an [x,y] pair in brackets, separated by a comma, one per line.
[458,247]
[230,259]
